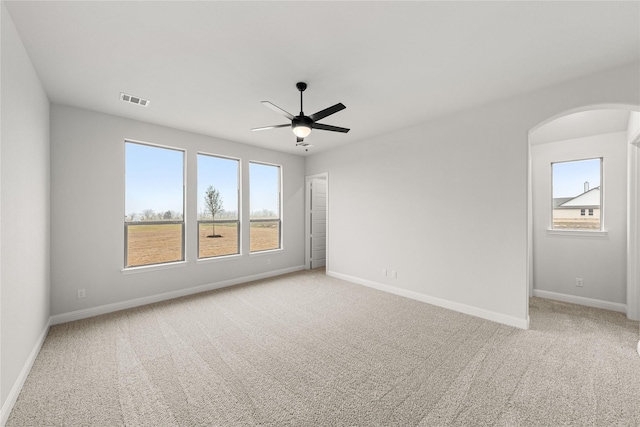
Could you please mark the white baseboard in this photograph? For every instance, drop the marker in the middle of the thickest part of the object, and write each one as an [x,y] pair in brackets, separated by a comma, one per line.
[573,299]
[22,377]
[123,305]
[451,305]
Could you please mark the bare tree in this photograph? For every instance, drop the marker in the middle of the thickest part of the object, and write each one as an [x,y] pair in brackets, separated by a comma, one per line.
[213,201]
[148,214]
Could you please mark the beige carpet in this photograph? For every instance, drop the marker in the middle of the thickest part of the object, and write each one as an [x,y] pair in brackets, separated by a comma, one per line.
[308,350]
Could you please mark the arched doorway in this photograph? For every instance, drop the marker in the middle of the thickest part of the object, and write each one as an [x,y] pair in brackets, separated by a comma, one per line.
[581,126]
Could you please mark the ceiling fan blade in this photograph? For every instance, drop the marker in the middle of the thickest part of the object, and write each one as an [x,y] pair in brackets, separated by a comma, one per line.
[271,127]
[331,128]
[327,112]
[278,109]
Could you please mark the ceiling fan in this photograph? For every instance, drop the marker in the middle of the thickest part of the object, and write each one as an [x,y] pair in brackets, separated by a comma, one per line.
[301,124]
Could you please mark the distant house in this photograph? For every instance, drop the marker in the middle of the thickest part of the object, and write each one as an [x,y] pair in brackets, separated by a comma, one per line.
[585,205]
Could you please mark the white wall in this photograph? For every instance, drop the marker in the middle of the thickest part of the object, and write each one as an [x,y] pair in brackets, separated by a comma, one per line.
[558,259]
[445,203]
[87,211]
[24,213]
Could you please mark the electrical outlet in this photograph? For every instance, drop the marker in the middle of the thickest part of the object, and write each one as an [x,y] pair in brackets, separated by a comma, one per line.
[384,271]
[81,293]
[579,282]
[394,274]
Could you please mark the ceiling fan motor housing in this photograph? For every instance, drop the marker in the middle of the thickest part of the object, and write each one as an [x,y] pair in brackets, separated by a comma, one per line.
[301,121]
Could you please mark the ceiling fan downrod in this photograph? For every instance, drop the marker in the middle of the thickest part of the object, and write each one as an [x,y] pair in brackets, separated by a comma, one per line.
[301,87]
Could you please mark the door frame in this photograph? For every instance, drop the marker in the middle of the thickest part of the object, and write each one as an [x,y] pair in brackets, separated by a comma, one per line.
[633,229]
[307,223]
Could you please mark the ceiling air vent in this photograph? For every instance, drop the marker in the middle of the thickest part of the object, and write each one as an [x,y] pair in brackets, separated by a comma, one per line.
[134,99]
[306,145]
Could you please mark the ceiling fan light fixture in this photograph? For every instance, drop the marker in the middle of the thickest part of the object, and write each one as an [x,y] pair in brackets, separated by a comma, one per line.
[301,130]
[301,125]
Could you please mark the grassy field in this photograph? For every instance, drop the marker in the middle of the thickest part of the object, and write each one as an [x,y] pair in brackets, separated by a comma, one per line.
[158,243]
[225,245]
[152,244]
[576,224]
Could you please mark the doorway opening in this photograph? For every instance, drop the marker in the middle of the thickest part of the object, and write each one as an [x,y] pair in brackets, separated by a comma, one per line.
[316,221]
[564,264]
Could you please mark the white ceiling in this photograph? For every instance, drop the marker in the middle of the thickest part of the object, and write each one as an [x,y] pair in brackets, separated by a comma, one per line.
[206,66]
[579,125]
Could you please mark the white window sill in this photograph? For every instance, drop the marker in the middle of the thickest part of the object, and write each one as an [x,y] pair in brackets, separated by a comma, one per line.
[147,268]
[268,252]
[218,258]
[581,233]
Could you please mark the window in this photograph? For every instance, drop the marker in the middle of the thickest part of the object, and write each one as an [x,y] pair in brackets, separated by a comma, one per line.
[218,219]
[577,189]
[154,205]
[265,221]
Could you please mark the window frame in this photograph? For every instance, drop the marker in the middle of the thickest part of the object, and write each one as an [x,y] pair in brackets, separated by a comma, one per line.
[279,220]
[576,231]
[127,224]
[239,209]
